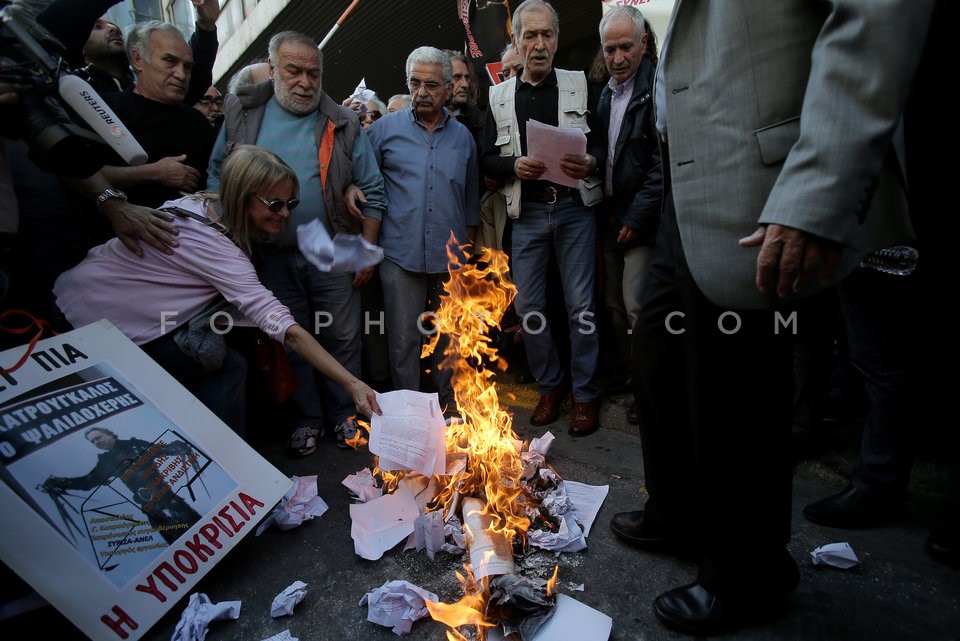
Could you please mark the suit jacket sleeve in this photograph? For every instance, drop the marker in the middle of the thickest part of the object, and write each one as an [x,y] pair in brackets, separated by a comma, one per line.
[862,63]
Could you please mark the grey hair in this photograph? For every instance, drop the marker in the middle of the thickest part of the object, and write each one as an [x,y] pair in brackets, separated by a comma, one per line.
[624,11]
[430,56]
[139,36]
[400,96]
[507,50]
[528,5]
[239,79]
[284,37]
[379,103]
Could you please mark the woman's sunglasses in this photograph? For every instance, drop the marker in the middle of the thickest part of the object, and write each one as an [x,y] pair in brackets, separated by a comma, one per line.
[276,205]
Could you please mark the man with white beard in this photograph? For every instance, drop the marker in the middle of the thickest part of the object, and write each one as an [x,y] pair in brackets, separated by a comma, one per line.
[292,117]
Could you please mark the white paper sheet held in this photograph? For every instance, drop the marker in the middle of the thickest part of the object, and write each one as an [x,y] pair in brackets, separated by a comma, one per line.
[410,434]
[549,144]
[344,253]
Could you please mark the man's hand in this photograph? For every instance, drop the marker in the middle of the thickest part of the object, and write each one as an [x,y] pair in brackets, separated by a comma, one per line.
[578,166]
[528,169]
[132,223]
[207,13]
[173,173]
[791,258]
[362,277]
[9,93]
[626,235]
[351,196]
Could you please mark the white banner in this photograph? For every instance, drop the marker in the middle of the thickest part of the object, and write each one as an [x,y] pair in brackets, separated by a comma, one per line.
[119,490]
[657,12]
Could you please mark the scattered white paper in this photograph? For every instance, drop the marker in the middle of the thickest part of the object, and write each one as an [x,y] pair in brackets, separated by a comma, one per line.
[429,533]
[380,524]
[567,538]
[283,603]
[199,613]
[837,555]
[342,253]
[575,621]
[542,444]
[549,144]
[363,485]
[397,604]
[300,503]
[587,500]
[410,434]
[282,636]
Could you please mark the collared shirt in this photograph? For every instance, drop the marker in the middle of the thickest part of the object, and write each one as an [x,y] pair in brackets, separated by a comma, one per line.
[619,100]
[431,183]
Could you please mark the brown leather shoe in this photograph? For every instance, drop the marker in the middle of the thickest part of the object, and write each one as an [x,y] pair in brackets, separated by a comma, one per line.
[583,420]
[548,408]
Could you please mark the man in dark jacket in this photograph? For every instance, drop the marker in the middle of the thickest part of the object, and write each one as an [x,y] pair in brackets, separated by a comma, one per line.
[630,164]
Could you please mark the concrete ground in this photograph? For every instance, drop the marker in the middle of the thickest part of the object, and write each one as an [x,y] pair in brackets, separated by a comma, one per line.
[896,593]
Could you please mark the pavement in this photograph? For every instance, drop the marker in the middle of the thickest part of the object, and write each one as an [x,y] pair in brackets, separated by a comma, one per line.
[896,593]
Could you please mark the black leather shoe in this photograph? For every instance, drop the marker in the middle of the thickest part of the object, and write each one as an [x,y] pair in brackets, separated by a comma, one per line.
[853,508]
[693,610]
[631,527]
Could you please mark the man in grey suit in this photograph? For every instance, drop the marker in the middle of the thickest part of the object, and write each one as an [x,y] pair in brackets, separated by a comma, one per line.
[780,122]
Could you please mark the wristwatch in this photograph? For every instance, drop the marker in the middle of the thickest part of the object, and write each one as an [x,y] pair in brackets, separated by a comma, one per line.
[109,193]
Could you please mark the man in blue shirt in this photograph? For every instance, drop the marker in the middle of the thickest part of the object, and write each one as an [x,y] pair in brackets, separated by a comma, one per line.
[431,179]
[291,116]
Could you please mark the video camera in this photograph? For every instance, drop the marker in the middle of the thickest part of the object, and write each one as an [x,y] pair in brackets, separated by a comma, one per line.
[32,58]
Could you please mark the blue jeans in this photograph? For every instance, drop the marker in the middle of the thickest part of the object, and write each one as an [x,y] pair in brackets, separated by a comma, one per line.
[406,295]
[327,305]
[568,230]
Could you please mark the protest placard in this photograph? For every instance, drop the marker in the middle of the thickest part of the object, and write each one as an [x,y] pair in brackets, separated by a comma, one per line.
[119,490]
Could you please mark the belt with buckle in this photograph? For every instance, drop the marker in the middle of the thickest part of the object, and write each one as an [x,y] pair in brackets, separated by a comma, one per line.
[548,195]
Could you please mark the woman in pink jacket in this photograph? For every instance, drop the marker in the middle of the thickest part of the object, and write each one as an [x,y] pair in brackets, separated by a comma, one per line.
[153,299]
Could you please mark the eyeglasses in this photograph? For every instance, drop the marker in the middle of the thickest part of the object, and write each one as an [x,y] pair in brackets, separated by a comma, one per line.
[429,85]
[276,205]
[206,101]
[373,114]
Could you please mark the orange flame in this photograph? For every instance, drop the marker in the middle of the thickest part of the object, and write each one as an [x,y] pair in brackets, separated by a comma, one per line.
[359,439]
[474,301]
[467,611]
[552,581]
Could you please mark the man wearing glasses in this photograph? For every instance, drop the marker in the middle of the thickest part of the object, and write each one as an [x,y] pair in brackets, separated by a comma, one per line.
[432,183]
[211,106]
[324,143]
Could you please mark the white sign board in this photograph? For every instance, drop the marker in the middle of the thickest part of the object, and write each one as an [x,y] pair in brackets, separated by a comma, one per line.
[657,12]
[119,490]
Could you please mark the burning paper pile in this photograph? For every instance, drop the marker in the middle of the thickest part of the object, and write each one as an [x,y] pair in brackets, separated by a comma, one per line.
[475,472]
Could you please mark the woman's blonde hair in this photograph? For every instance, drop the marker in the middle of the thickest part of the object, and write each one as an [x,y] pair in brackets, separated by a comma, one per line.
[249,170]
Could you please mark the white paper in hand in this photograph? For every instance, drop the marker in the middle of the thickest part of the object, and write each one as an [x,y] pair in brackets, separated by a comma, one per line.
[342,253]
